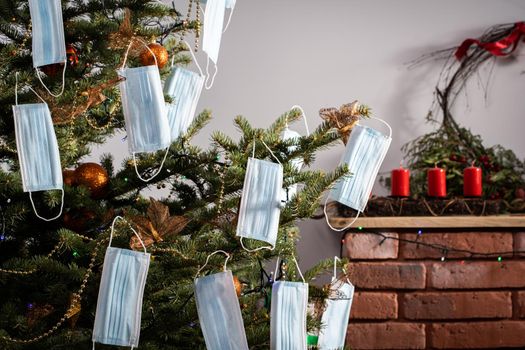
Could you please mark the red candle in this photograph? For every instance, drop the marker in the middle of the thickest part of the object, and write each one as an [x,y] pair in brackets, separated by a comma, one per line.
[400,182]
[472,182]
[437,182]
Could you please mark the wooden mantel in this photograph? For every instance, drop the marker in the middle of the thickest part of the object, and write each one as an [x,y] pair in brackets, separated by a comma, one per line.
[510,221]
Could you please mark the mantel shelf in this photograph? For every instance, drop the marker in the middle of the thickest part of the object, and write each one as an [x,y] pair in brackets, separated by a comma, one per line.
[432,221]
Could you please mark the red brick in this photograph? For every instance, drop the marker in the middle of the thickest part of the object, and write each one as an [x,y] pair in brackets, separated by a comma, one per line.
[386,336]
[477,274]
[478,335]
[519,242]
[457,305]
[387,275]
[374,306]
[483,242]
[370,246]
[520,307]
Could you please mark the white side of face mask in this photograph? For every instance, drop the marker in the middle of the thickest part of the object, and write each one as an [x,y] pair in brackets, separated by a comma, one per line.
[334,322]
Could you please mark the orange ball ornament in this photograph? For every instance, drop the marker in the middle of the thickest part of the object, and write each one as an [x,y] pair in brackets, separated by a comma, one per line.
[161,54]
[238,286]
[94,177]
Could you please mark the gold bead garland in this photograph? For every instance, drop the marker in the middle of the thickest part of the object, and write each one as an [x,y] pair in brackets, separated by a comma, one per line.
[33,270]
[77,297]
[197,22]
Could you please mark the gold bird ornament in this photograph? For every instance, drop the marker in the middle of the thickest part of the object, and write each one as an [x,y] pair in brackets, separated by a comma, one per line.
[345,118]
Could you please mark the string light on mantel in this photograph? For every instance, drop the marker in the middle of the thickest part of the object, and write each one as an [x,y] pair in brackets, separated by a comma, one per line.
[445,250]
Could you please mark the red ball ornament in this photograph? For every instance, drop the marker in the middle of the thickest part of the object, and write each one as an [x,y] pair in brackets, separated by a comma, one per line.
[69,177]
[52,69]
[72,56]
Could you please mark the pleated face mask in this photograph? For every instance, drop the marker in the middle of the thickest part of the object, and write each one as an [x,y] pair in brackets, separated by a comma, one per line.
[212,32]
[219,311]
[144,111]
[288,314]
[119,304]
[37,147]
[364,153]
[49,45]
[260,202]
[334,322]
[297,163]
[48,41]
[184,87]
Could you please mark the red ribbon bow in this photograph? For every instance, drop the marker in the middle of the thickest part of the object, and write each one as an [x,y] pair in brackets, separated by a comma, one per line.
[497,48]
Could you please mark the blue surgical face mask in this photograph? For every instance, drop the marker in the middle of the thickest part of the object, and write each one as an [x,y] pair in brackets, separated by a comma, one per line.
[48,32]
[334,322]
[219,311]
[288,315]
[144,111]
[260,202]
[184,87]
[119,304]
[49,45]
[212,32]
[37,147]
[364,153]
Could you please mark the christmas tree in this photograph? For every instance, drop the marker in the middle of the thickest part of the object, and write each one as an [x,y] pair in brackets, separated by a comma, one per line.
[50,270]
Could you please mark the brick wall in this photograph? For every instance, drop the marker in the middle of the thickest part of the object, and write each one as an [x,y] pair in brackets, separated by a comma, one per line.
[407,298]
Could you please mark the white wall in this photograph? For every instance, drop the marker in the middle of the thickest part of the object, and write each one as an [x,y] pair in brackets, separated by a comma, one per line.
[325,53]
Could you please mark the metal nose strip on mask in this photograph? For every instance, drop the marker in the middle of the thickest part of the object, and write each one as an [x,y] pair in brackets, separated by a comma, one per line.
[375,171]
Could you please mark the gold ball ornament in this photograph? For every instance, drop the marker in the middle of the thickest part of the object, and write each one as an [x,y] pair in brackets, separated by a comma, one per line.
[161,54]
[94,177]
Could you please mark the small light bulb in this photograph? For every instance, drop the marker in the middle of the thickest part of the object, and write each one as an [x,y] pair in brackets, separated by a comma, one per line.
[500,258]
[419,232]
[442,258]
[360,228]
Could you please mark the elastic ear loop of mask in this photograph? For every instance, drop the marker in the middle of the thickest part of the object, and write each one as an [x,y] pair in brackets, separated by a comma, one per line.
[192,56]
[229,20]
[206,86]
[228,256]
[296,264]
[270,247]
[63,80]
[30,197]
[375,171]
[133,153]
[304,118]
[132,229]
[209,85]
[111,239]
